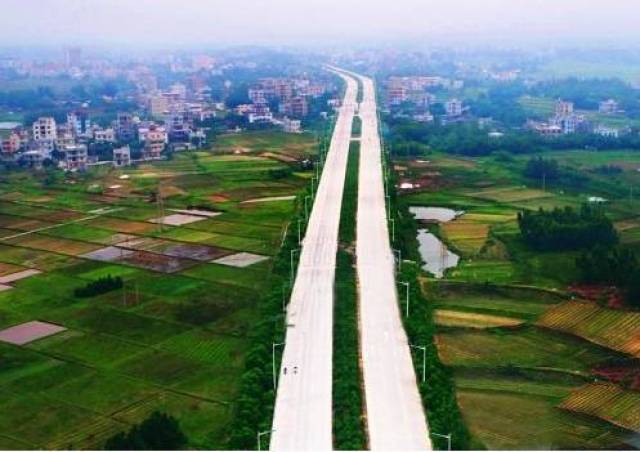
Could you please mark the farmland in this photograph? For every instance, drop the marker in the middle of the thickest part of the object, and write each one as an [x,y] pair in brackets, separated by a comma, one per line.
[516,343]
[196,261]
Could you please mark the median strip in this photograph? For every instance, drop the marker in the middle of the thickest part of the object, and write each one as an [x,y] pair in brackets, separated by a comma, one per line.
[348,405]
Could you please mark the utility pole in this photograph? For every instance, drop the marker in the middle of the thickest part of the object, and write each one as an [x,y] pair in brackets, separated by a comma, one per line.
[273,362]
[160,204]
[293,252]
[407,285]
[448,436]
[260,434]
[424,359]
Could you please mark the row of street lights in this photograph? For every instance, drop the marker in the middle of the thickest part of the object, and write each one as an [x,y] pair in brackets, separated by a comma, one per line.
[398,252]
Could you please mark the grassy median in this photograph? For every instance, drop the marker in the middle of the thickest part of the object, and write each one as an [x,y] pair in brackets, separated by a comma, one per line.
[348,418]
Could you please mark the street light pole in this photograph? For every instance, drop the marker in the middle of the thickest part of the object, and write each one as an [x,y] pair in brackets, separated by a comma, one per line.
[306,207]
[424,359]
[263,433]
[393,229]
[406,284]
[448,436]
[399,253]
[293,252]
[299,231]
[273,362]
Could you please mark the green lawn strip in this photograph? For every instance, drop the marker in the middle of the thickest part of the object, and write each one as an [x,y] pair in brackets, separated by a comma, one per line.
[348,417]
[438,390]
[356,128]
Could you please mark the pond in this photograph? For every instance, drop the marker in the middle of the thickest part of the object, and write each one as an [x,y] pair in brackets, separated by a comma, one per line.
[434,253]
[439,214]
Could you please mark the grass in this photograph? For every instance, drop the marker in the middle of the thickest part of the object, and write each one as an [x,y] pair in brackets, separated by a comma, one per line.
[348,403]
[528,347]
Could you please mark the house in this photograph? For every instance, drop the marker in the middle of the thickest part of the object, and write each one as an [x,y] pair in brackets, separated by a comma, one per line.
[291,125]
[122,156]
[453,108]
[104,135]
[609,107]
[45,132]
[154,144]
[75,157]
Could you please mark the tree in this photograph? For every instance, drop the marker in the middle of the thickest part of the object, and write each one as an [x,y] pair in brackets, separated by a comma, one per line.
[159,431]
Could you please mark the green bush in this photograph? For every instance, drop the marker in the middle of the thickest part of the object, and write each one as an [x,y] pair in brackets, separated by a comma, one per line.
[99,286]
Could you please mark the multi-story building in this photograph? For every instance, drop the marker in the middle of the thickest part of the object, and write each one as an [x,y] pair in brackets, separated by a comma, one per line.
[44,129]
[10,144]
[259,113]
[564,108]
[79,123]
[75,157]
[121,156]
[65,137]
[154,144]
[296,107]
[125,127]
[257,95]
[291,125]
[158,105]
[104,135]
[609,107]
[45,133]
[453,108]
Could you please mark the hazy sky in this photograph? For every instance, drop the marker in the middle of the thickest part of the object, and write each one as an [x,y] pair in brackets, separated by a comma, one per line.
[299,22]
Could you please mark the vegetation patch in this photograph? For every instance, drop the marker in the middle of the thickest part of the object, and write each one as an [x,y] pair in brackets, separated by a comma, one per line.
[348,403]
[615,329]
[606,401]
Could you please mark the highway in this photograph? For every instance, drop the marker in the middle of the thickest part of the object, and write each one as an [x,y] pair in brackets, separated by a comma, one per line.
[395,416]
[303,409]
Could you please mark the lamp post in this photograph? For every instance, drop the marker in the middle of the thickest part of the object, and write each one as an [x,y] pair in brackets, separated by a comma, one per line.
[424,359]
[306,207]
[399,254]
[273,362]
[299,231]
[293,252]
[448,436]
[407,285]
[393,229]
[263,433]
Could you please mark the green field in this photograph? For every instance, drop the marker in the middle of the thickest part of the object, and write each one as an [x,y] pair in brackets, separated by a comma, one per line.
[174,342]
[507,368]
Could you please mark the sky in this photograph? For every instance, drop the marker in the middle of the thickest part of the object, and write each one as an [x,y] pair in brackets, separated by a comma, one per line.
[178,23]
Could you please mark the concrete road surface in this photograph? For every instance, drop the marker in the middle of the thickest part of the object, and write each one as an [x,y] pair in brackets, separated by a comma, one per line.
[395,416]
[303,411]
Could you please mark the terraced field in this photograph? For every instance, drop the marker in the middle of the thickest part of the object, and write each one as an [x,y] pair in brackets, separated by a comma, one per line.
[618,330]
[174,338]
[606,401]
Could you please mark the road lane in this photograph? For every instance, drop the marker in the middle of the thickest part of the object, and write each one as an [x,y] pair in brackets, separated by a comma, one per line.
[395,416]
[303,410]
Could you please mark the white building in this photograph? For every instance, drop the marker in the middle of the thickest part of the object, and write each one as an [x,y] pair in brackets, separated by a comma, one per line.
[122,156]
[104,135]
[291,125]
[44,129]
[609,107]
[453,108]
[75,157]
